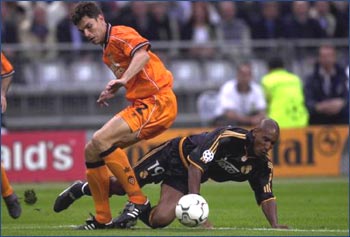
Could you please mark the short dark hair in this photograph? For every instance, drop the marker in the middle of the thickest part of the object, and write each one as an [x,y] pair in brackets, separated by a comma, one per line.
[275,62]
[89,9]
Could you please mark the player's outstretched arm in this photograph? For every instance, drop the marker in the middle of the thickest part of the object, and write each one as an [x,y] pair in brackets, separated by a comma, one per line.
[269,208]
[194,179]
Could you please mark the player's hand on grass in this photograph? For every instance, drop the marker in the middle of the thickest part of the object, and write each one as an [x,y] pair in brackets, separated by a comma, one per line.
[207,225]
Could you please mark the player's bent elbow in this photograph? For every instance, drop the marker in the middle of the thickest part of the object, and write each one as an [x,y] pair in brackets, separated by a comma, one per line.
[160,221]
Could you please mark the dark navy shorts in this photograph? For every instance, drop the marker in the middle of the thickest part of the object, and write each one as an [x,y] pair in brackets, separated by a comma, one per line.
[163,164]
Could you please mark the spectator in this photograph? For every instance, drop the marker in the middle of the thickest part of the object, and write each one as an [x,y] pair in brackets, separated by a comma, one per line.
[341,11]
[35,32]
[67,32]
[233,29]
[200,30]
[111,9]
[181,10]
[247,10]
[241,102]
[39,29]
[284,96]
[9,30]
[164,26]
[56,10]
[321,13]
[12,16]
[269,25]
[326,90]
[300,24]
[136,15]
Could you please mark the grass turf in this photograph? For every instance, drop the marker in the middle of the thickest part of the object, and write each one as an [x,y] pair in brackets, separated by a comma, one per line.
[310,206]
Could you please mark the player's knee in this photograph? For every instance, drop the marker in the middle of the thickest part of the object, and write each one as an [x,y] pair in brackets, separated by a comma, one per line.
[97,142]
[92,151]
[89,152]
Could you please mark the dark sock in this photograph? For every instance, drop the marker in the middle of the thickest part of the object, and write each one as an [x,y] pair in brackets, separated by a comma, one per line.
[144,216]
[115,188]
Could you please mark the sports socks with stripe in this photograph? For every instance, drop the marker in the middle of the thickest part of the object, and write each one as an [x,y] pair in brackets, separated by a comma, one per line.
[98,179]
[118,164]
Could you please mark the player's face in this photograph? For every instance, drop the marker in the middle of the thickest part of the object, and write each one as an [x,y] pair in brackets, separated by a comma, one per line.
[264,141]
[93,29]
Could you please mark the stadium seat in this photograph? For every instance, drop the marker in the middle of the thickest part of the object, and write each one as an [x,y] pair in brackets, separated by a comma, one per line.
[303,67]
[217,72]
[85,73]
[51,74]
[106,73]
[29,71]
[206,105]
[187,73]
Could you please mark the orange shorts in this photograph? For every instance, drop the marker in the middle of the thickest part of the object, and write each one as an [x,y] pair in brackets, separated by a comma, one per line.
[151,116]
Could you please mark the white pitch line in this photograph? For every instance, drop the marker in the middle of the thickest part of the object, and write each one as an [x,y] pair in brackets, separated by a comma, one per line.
[179,228]
[291,230]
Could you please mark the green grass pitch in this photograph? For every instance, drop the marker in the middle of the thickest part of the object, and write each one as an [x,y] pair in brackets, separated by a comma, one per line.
[310,206]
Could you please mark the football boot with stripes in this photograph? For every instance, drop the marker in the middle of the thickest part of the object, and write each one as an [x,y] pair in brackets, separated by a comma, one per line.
[93,224]
[129,216]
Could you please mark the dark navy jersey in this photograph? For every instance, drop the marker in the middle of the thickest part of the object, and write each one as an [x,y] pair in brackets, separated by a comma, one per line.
[225,154]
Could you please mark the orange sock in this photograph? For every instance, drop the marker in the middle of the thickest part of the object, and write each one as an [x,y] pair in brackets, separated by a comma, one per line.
[119,165]
[6,189]
[98,180]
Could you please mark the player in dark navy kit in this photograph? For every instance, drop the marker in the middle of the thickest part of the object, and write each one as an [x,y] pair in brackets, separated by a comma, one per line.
[182,164]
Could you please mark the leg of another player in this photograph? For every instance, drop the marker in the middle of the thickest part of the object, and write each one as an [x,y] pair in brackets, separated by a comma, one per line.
[79,188]
[115,188]
[164,213]
[9,196]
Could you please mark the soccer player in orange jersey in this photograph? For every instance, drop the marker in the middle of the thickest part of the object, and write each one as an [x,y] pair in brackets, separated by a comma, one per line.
[152,110]
[9,196]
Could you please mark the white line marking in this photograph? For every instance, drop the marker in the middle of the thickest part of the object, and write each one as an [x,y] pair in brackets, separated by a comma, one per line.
[184,229]
[291,230]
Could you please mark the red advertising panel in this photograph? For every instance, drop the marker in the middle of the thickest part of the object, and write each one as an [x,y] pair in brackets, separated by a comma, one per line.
[44,156]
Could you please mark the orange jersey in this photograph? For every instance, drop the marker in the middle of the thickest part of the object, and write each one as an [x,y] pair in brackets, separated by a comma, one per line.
[6,67]
[121,44]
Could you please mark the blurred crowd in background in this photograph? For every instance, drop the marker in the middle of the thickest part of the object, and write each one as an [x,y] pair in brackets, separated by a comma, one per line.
[48,21]
[206,33]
